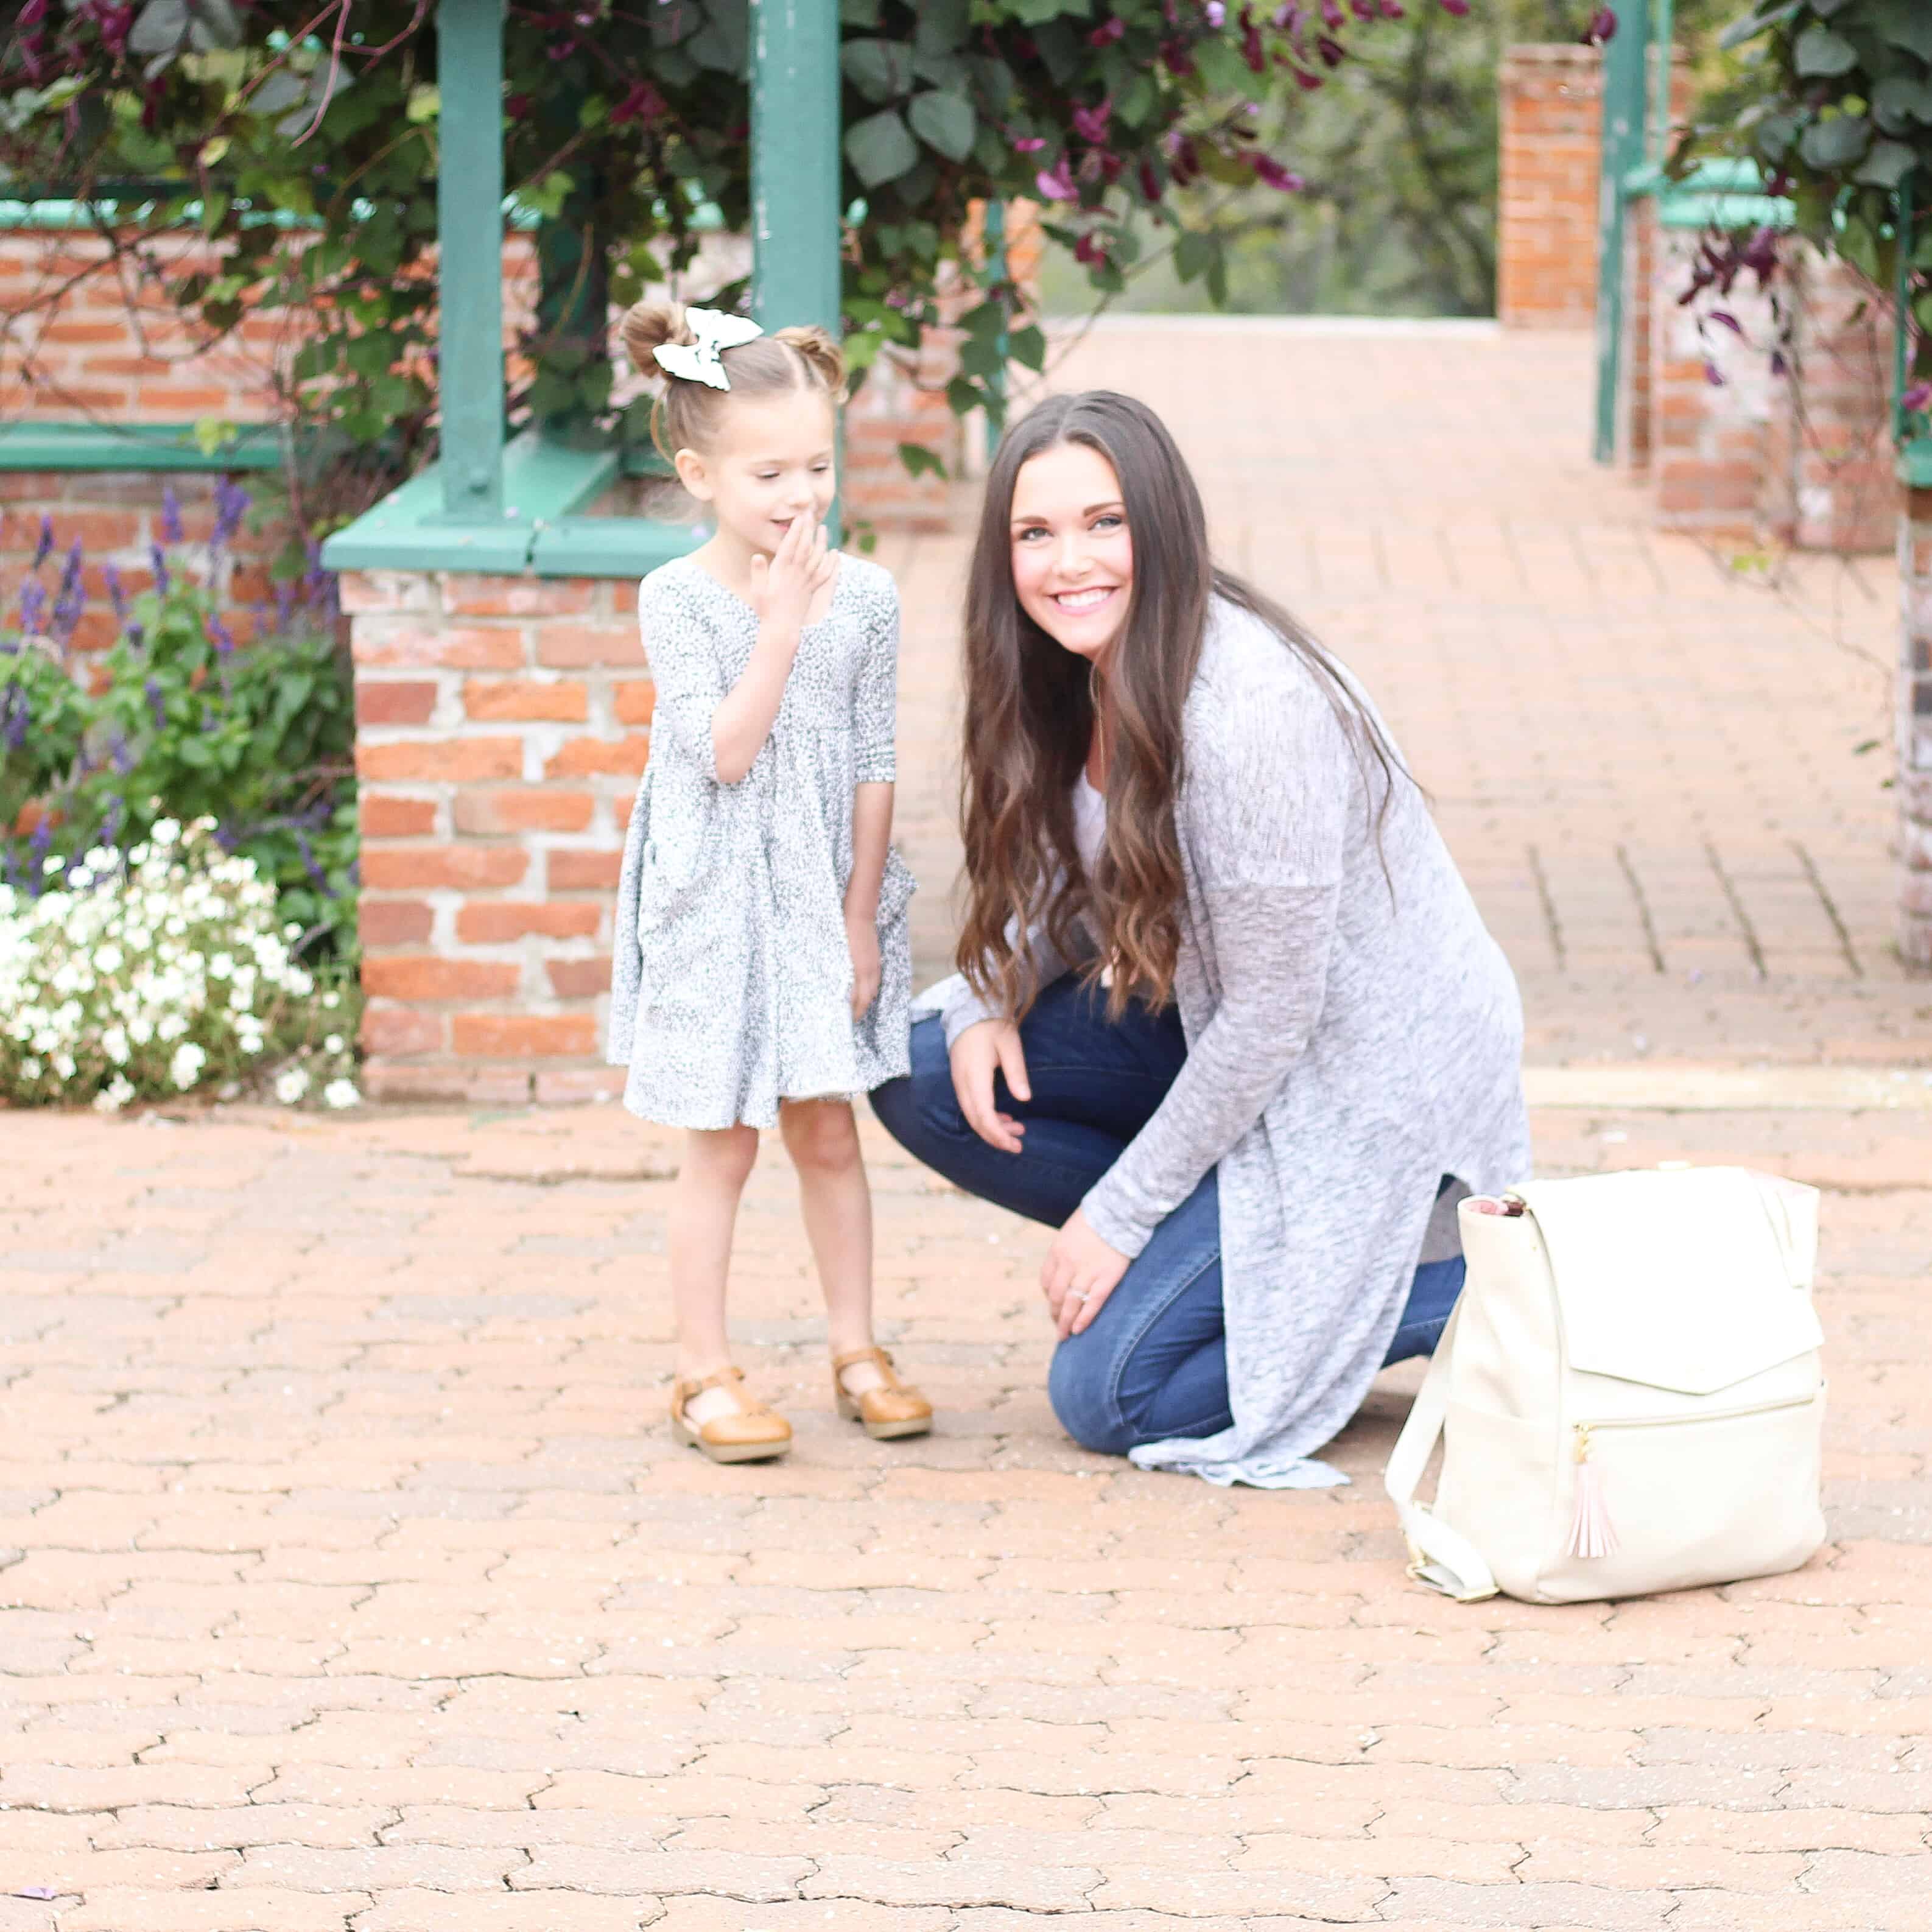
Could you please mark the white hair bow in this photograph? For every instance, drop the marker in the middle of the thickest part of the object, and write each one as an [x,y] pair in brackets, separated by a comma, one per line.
[698,362]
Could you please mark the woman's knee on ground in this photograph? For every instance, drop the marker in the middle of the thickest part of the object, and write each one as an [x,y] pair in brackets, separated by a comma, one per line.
[1080,1385]
[820,1136]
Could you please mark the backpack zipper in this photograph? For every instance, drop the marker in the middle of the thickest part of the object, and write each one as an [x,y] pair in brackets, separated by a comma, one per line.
[1592,1535]
[1584,1430]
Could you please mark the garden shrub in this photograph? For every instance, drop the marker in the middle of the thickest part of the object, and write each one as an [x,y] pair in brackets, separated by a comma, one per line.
[146,975]
[175,721]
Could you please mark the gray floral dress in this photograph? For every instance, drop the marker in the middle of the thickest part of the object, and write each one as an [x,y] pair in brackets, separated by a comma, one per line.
[731,984]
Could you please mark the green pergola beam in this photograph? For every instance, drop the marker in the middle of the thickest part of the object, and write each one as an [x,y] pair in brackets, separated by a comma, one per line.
[134,446]
[1626,87]
[483,507]
[469,234]
[795,272]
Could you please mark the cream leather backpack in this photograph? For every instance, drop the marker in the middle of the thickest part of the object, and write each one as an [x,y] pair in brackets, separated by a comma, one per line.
[1628,1395]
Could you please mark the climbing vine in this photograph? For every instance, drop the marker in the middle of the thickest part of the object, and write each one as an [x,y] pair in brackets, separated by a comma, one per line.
[1838,113]
[301,138]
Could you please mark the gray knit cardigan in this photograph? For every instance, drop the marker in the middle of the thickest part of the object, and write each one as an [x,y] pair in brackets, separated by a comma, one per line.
[1354,1034]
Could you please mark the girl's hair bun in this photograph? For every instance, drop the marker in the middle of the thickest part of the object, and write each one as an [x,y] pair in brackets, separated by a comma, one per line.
[649,325]
[820,354]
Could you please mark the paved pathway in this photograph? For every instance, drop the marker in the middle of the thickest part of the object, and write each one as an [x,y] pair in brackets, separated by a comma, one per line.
[349,1582]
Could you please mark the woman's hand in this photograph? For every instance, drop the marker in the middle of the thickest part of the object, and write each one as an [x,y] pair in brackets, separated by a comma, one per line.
[1079,1273]
[862,941]
[802,565]
[987,1047]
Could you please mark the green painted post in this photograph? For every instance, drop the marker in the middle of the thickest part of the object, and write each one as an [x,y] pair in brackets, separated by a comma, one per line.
[1626,85]
[996,272]
[795,276]
[469,236]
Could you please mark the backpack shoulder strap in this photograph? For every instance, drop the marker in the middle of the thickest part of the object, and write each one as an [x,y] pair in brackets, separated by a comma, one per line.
[1442,1557]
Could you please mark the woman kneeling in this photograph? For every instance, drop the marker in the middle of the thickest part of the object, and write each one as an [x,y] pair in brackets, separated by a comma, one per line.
[1227,1016]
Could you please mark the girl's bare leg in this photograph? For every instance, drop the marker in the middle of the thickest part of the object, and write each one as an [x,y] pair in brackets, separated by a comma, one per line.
[822,1138]
[703,1212]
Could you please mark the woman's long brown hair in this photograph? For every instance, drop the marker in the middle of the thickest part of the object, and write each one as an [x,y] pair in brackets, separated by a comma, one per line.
[1031,711]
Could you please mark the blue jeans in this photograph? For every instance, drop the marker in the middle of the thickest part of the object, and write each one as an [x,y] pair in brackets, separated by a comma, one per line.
[1153,1364]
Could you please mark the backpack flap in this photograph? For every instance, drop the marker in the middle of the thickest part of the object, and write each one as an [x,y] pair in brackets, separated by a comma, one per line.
[1690,1280]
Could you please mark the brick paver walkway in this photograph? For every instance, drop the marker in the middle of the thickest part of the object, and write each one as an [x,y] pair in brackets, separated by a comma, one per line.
[348,1579]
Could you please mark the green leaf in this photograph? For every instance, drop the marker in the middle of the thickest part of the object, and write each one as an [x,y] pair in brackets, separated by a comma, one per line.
[1222,67]
[162,27]
[1819,52]
[1136,101]
[879,69]
[978,356]
[920,461]
[1194,254]
[880,149]
[942,25]
[945,122]
[1886,164]
[1898,101]
[1036,13]
[1027,347]
[1903,23]
[1837,143]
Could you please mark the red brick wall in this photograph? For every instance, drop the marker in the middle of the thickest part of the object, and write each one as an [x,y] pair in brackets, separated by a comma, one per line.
[502,724]
[1550,111]
[116,515]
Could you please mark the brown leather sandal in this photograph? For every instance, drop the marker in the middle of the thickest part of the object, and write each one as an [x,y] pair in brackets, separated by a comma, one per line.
[893,1409]
[754,1434]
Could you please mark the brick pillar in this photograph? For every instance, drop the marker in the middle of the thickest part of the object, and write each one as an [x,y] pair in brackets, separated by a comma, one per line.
[502,726]
[1838,487]
[1551,103]
[1915,730]
[1709,439]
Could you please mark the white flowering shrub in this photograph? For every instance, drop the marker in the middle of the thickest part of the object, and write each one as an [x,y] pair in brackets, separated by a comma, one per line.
[148,975]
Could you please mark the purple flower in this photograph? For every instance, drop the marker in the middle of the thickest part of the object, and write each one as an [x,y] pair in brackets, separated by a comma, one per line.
[1275,175]
[1056,184]
[1217,14]
[222,637]
[1090,123]
[1332,16]
[44,548]
[1090,249]
[1028,144]
[231,501]
[284,595]
[33,608]
[157,704]
[1107,33]
[159,564]
[1917,397]
[1603,27]
[171,522]
[1713,375]
[115,591]
[1458,7]
[1332,52]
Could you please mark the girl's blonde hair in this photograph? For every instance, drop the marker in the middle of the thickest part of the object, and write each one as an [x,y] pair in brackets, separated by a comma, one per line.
[686,414]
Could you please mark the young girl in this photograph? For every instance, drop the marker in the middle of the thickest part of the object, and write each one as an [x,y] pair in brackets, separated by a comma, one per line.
[762,972]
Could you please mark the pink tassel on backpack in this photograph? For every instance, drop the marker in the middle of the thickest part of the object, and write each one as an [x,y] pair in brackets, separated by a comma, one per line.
[1591,1533]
